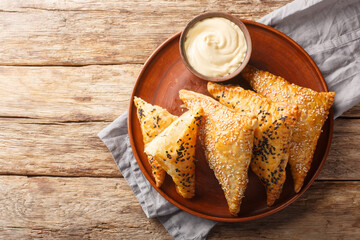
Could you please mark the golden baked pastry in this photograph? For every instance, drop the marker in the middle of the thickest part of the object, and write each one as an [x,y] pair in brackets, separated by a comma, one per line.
[174,150]
[153,120]
[271,138]
[314,107]
[227,138]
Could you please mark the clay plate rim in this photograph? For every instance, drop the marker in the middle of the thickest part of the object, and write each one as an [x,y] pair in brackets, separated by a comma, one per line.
[231,219]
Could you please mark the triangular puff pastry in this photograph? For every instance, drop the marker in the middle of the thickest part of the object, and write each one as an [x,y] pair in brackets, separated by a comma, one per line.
[272,136]
[153,120]
[174,150]
[314,107]
[227,138]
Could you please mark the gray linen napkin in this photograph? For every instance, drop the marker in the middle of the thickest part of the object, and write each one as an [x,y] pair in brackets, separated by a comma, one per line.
[180,224]
[329,30]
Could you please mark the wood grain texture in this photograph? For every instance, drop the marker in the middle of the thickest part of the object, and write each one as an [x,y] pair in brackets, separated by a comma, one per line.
[49,118]
[106,32]
[344,155]
[353,112]
[78,208]
[64,149]
[318,214]
[58,94]
[44,138]
[72,208]
[73,149]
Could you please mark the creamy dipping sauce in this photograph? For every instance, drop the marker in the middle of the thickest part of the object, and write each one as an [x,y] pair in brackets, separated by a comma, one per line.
[215,47]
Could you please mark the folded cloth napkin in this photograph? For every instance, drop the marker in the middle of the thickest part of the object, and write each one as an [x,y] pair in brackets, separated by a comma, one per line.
[329,30]
[180,224]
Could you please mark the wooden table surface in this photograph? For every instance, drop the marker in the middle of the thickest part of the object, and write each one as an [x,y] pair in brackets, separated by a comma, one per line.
[67,69]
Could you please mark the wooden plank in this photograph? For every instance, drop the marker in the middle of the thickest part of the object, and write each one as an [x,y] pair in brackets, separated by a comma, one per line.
[353,112]
[73,149]
[90,93]
[344,154]
[58,94]
[72,208]
[139,5]
[328,210]
[54,95]
[67,149]
[110,32]
[77,208]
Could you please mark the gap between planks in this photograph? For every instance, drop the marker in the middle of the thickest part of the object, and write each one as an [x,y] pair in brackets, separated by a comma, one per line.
[120,176]
[66,176]
[54,122]
[73,65]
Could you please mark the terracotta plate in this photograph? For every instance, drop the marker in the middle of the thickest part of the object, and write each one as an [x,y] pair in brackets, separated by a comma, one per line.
[159,82]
